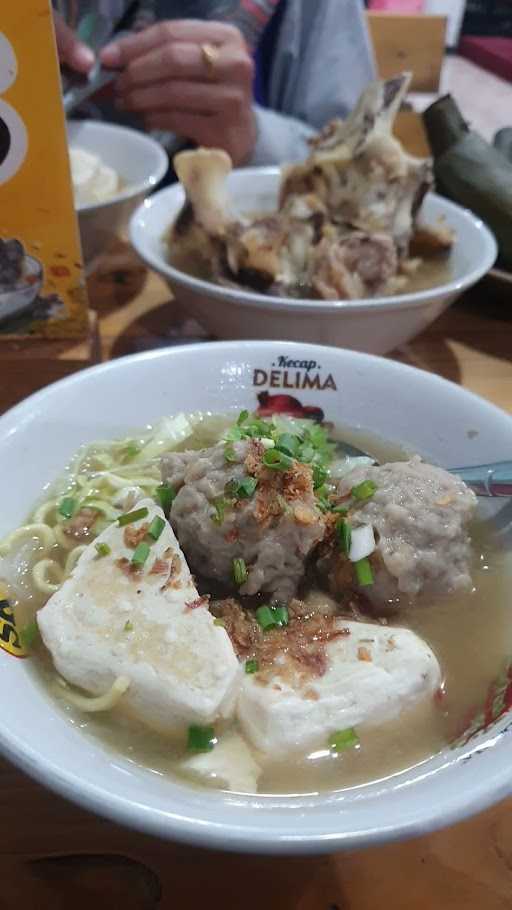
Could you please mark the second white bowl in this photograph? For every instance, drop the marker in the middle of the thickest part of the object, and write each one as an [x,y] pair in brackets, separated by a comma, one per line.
[441,420]
[140,162]
[375,325]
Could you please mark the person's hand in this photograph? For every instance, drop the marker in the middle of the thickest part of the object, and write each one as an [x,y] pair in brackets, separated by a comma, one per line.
[71,51]
[192,78]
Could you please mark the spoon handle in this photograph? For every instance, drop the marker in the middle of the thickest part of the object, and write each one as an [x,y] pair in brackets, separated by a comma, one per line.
[488,479]
[87,86]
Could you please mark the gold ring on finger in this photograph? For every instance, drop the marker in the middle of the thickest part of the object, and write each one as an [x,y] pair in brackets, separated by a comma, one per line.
[210,55]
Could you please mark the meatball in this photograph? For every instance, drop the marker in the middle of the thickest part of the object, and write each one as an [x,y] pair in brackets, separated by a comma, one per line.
[272,522]
[420,515]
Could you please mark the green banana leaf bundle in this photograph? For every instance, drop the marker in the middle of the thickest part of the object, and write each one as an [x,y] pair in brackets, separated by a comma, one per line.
[472,172]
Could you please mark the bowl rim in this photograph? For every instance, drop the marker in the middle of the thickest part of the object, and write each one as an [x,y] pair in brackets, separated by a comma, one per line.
[489,252]
[159,171]
[223,834]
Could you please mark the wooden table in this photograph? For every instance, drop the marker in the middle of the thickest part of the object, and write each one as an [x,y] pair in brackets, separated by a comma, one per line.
[54,855]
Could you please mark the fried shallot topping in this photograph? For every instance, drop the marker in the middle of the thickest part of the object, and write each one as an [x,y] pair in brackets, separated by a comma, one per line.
[133,536]
[295,651]
[159,567]
[127,567]
[281,491]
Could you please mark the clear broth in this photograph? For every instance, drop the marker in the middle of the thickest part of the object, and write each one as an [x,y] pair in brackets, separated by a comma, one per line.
[471,636]
[432,272]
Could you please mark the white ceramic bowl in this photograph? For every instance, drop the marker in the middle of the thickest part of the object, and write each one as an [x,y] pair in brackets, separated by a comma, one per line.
[141,163]
[377,325]
[439,419]
[14,301]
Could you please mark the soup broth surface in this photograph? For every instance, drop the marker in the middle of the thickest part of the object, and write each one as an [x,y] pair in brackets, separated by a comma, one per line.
[470,634]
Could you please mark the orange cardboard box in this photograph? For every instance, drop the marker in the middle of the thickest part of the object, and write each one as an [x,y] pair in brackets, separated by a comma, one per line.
[42,285]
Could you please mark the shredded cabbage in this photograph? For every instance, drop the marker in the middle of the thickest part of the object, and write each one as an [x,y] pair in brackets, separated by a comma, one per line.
[168,433]
[343,466]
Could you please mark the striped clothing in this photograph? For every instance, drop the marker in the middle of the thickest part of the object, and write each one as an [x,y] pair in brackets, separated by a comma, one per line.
[107,16]
[313,59]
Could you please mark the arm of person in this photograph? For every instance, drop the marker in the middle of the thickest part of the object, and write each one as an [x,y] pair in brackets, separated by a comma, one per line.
[279,138]
[191,78]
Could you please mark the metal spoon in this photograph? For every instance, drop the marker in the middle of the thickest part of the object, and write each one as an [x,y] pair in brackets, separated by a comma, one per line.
[78,87]
[484,479]
[84,87]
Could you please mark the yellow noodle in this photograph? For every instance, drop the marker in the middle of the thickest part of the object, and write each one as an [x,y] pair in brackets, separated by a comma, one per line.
[102,505]
[41,514]
[73,558]
[63,540]
[41,575]
[41,531]
[119,482]
[104,702]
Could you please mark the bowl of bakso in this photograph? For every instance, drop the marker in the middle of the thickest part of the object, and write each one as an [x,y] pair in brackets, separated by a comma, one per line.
[350,247]
[113,168]
[248,600]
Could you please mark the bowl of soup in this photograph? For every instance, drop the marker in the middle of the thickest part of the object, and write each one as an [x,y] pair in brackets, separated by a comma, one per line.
[252,601]
[374,324]
[113,169]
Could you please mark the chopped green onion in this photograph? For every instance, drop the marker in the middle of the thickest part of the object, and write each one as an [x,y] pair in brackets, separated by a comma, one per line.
[364,572]
[129,517]
[102,549]
[229,454]
[30,635]
[323,495]
[344,532]
[251,666]
[165,494]
[340,510]
[67,507]
[265,618]
[240,574]
[140,554]
[281,614]
[131,450]
[234,434]
[317,436]
[276,460]
[220,505]
[364,490]
[201,739]
[241,489]
[288,444]
[128,626]
[306,453]
[343,739]
[247,487]
[218,621]
[250,427]
[272,617]
[319,476]
[156,527]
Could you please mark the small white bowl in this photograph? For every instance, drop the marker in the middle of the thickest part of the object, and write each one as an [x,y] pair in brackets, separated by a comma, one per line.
[375,325]
[141,163]
[437,418]
[15,300]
